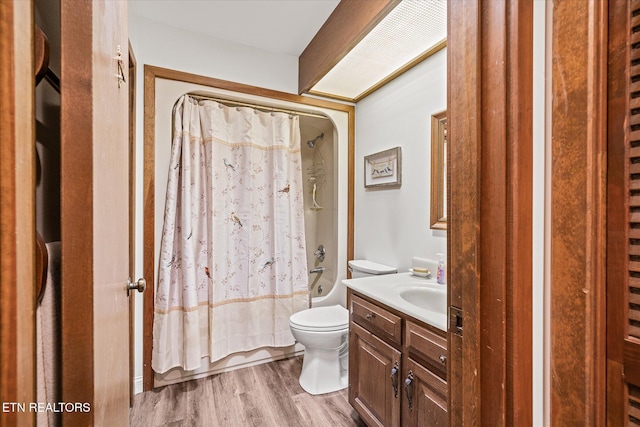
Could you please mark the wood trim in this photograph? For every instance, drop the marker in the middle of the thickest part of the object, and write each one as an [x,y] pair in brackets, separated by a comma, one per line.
[148,253]
[463,245]
[438,199]
[617,220]
[152,73]
[330,96]
[518,216]
[351,160]
[76,171]
[17,211]
[490,202]
[406,67]
[493,196]
[432,51]
[578,207]
[349,23]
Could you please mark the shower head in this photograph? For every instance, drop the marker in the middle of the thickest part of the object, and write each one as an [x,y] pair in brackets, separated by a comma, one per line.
[312,142]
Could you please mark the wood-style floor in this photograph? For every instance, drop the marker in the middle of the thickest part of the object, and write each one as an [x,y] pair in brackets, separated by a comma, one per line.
[266,395]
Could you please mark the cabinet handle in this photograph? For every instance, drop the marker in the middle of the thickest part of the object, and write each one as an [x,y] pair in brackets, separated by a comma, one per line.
[394,378]
[370,316]
[408,389]
[443,359]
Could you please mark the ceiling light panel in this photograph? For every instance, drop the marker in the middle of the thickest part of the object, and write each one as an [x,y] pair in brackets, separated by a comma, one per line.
[409,30]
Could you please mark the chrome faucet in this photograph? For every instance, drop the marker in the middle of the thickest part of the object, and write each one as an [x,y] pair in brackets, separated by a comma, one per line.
[316,270]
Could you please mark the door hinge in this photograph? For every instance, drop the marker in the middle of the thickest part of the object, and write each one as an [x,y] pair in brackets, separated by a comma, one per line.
[455,320]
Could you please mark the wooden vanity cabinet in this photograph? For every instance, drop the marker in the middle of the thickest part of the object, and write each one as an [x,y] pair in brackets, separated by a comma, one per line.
[425,365]
[371,391]
[397,367]
[376,319]
[428,403]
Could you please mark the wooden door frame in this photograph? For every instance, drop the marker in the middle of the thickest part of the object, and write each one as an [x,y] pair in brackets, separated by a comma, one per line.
[490,202]
[76,169]
[578,240]
[17,211]
[151,73]
[577,318]
[617,216]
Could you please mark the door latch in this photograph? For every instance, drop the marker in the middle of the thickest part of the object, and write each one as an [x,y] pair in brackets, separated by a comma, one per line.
[455,320]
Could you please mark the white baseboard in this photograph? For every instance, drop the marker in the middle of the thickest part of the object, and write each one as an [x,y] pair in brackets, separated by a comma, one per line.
[137,385]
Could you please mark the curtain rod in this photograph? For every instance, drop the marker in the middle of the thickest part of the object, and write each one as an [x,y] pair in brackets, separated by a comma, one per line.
[257,106]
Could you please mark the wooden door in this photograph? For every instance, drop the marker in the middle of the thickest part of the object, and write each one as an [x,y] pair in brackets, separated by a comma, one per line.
[132,215]
[370,389]
[95,211]
[623,215]
[425,397]
[17,212]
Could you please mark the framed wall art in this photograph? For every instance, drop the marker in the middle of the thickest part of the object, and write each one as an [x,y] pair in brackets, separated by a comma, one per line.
[383,169]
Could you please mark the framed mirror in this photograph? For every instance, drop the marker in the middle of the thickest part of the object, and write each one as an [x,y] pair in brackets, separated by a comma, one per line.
[439,171]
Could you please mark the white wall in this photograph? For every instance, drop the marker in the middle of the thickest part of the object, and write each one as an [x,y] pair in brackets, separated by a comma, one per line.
[541,209]
[168,47]
[393,225]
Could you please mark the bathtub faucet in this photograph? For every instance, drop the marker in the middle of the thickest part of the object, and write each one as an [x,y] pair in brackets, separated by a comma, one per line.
[316,270]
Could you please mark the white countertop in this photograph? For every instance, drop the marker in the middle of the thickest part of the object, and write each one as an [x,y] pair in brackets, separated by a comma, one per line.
[386,290]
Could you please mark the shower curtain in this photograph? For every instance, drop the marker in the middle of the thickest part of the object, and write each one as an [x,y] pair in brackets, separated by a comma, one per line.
[232,263]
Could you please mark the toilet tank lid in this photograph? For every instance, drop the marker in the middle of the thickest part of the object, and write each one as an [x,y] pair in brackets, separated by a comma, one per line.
[371,267]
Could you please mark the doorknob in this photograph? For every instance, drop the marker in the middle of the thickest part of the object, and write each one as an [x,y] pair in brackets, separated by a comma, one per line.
[140,285]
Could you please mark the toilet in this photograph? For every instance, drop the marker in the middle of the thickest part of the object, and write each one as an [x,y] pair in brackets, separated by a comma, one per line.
[324,332]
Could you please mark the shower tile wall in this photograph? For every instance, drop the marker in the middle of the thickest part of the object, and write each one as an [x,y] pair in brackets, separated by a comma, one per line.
[318,163]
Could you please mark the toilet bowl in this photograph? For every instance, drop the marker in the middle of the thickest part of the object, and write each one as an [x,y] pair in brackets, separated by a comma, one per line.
[324,333]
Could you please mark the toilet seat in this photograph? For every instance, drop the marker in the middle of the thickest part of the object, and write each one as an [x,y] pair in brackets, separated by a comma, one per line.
[321,319]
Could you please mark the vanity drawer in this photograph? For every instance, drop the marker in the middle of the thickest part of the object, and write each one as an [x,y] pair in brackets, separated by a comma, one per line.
[427,346]
[376,319]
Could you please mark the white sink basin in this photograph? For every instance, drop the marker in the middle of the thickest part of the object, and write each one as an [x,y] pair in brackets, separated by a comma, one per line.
[420,298]
[426,298]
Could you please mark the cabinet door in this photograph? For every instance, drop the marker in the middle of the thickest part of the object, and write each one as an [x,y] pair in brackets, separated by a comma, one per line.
[371,382]
[424,397]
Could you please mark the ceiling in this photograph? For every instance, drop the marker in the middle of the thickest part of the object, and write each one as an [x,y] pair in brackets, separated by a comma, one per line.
[392,36]
[277,26]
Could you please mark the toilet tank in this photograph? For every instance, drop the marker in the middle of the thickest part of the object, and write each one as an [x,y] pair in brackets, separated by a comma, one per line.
[365,268]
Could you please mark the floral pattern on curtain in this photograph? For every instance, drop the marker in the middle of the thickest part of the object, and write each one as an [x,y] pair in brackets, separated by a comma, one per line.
[233,263]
